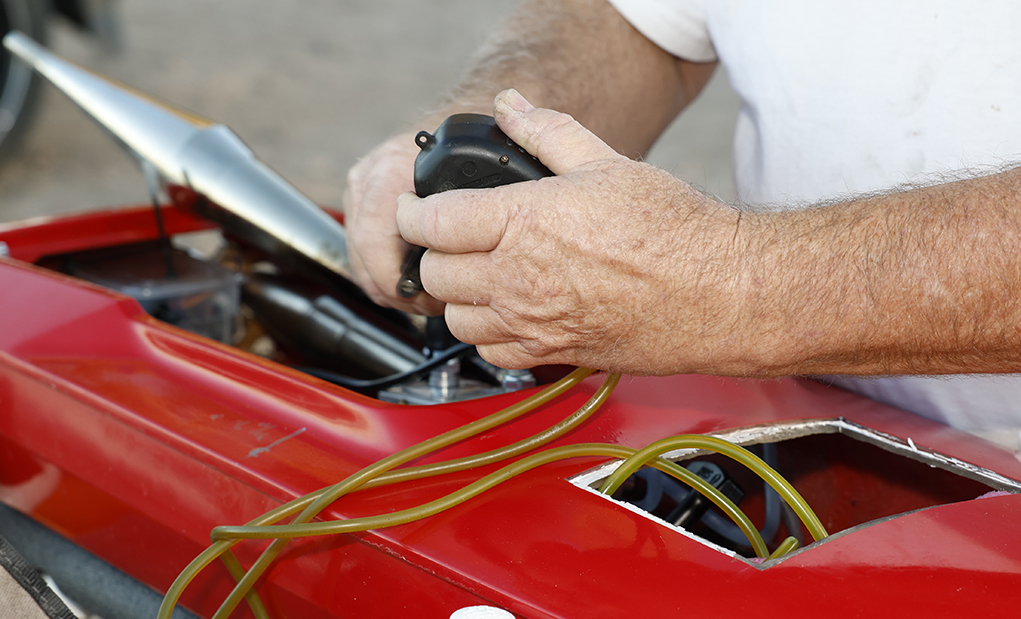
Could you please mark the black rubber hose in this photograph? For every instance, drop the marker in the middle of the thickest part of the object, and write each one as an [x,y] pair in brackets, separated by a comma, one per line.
[388,381]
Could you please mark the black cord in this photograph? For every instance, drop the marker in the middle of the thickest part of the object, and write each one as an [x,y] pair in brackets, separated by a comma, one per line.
[388,381]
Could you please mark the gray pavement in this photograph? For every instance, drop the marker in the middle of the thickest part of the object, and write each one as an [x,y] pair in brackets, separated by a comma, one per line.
[310,85]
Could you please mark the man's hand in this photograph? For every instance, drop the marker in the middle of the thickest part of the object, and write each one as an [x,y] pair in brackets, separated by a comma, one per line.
[598,266]
[617,265]
[375,247]
[576,55]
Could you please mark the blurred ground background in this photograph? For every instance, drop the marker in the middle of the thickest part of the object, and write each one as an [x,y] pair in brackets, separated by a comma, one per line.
[310,85]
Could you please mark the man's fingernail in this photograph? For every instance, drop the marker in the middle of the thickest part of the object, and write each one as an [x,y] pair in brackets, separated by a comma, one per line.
[406,198]
[517,102]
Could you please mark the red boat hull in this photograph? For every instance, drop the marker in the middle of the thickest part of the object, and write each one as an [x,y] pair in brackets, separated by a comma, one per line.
[133,439]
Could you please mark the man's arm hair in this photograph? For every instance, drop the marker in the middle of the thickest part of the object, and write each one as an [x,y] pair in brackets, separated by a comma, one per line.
[582,58]
[922,281]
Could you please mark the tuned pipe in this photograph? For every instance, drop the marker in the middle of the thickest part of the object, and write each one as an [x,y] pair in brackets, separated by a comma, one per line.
[248,198]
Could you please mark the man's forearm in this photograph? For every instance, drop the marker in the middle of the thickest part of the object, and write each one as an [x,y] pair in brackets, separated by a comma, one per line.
[925,281]
[617,265]
[582,58]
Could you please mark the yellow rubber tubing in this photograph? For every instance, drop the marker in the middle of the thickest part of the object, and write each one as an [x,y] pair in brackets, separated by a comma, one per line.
[742,455]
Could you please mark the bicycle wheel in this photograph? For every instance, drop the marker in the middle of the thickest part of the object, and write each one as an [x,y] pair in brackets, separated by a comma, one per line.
[19,86]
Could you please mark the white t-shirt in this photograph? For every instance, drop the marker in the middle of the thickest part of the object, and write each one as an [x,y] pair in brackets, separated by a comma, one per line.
[845,97]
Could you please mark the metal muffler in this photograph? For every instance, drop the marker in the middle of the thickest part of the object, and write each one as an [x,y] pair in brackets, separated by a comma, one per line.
[239,192]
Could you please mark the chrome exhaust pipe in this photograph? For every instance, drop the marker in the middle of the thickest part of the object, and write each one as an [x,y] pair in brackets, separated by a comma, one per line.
[241,193]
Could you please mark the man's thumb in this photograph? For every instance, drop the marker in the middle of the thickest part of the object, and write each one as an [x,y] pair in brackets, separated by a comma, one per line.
[558,140]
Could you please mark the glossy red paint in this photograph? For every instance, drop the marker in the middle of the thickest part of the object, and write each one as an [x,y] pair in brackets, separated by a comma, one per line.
[133,439]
